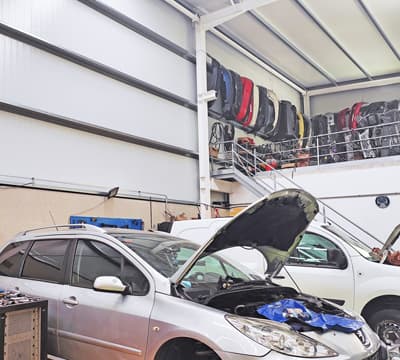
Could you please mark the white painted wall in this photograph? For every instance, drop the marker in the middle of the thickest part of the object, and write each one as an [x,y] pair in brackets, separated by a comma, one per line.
[75,26]
[160,17]
[34,78]
[32,148]
[338,101]
[351,189]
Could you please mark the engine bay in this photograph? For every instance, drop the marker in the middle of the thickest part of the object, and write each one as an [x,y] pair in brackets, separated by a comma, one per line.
[245,298]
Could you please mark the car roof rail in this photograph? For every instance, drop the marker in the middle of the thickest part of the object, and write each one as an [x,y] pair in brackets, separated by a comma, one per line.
[62,227]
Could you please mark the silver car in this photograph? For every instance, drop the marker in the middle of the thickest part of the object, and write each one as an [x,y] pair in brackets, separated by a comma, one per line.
[122,294]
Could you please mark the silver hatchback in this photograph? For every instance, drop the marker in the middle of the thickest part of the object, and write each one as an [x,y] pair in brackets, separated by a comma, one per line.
[122,294]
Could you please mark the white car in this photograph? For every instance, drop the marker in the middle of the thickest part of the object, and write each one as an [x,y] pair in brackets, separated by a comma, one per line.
[330,264]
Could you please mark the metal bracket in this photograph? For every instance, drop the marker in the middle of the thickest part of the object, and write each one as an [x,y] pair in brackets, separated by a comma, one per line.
[356,85]
[225,14]
[208,96]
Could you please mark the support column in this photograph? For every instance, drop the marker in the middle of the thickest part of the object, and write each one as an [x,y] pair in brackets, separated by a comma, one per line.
[202,122]
[307,105]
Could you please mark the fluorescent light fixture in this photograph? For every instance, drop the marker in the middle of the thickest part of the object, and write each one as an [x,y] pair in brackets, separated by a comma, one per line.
[112,192]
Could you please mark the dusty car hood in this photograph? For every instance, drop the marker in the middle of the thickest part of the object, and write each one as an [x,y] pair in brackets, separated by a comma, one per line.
[273,225]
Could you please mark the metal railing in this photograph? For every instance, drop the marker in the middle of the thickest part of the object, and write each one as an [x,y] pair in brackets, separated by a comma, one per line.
[345,145]
[237,157]
[87,227]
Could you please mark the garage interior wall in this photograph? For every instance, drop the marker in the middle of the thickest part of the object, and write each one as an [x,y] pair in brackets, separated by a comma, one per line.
[83,82]
[350,188]
[233,59]
[337,101]
[23,209]
[36,79]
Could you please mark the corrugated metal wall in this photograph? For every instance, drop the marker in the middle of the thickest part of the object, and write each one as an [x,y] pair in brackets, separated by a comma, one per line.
[92,78]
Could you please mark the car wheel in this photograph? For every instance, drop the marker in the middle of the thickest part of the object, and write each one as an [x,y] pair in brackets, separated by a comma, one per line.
[185,349]
[386,323]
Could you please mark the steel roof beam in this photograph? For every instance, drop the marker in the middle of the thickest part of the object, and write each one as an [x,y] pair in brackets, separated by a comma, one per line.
[356,86]
[257,58]
[260,18]
[379,28]
[218,17]
[235,43]
[333,39]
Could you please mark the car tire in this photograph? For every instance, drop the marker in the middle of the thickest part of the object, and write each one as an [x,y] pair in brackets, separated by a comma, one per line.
[386,323]
[186,349]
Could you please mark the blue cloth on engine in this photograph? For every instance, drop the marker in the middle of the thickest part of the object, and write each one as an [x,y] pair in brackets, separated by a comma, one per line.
[289,309]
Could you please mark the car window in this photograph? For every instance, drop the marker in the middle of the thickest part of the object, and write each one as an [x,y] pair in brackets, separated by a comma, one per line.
[11,258]
[211,268]
[208,269]
[45,260]
[315,249]
[166,254]
[93,259]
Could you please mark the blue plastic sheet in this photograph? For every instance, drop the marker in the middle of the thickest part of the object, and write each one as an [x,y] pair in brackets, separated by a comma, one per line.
[287,309]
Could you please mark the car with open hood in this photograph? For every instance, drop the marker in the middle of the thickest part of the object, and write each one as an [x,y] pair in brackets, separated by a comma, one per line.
[124,294]
[331,263]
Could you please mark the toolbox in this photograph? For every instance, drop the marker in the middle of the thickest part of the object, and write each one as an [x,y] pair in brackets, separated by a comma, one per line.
[23,327]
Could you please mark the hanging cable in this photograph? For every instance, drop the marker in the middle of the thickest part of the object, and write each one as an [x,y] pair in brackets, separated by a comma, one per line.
[229,136]
[217,135]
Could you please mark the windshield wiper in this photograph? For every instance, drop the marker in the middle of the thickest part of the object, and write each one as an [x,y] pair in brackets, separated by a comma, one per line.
[230,285]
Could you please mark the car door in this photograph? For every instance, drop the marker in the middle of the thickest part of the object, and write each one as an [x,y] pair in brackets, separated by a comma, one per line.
[318,266]
[98,324]
[42,275]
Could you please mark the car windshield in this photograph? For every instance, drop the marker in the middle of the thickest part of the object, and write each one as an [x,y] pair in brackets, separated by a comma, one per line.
[167,254]
[363,249]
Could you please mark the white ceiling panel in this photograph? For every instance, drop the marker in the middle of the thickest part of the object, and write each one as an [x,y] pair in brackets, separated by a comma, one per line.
[318,40]
[274,50]
[351,27]
[208,5]
[289,19]
[387,14]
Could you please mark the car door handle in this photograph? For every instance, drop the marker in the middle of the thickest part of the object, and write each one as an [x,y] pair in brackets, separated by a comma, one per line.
[278,277]
[71,301]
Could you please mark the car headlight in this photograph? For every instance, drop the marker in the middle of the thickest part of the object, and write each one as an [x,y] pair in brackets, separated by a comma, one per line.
[279,337]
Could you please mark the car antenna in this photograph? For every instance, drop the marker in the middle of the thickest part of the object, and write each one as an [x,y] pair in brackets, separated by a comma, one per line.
[52,219]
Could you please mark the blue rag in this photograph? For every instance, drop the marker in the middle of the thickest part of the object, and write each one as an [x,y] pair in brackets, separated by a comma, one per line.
[287,309]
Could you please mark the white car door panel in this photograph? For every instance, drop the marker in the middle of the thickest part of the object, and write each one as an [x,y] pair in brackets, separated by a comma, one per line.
[319,267]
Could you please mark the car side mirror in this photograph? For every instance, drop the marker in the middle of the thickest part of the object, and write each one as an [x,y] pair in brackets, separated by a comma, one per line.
[110,284]
[336,256]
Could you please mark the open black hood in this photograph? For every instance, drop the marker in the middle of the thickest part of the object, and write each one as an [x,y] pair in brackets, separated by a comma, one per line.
[273,225]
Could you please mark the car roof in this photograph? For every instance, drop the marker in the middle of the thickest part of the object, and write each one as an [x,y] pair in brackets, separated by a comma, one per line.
[79,229]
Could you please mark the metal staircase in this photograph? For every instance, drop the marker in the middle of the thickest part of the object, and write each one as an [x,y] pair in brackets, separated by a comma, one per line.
[236,163]
[239,164]
[232,173]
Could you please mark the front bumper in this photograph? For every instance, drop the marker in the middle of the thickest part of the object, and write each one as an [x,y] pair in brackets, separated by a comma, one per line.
[381,354]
